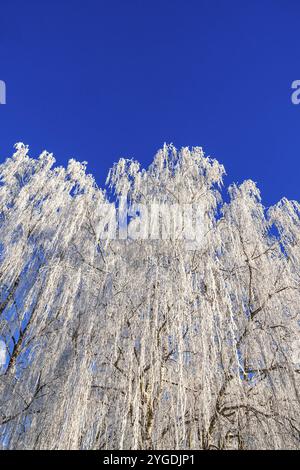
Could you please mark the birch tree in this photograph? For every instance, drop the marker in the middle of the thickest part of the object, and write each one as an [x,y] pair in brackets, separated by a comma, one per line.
[132,337]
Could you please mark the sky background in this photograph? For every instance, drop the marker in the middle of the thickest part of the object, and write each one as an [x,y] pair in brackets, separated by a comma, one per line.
[99,80]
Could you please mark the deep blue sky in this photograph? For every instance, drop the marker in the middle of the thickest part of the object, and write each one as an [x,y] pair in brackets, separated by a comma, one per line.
[97,80]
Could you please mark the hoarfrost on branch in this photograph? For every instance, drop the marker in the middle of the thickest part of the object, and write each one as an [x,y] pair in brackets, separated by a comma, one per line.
[115,343]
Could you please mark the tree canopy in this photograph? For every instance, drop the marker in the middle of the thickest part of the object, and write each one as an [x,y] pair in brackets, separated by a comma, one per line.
[146,342]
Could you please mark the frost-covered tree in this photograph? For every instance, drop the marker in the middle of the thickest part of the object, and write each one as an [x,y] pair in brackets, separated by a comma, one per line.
[123,342]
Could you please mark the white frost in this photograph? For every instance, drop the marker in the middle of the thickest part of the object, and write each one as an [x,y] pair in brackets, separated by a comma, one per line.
[118,344]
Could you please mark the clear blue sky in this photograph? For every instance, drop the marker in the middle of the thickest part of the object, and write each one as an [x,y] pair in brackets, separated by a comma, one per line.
[97,80]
